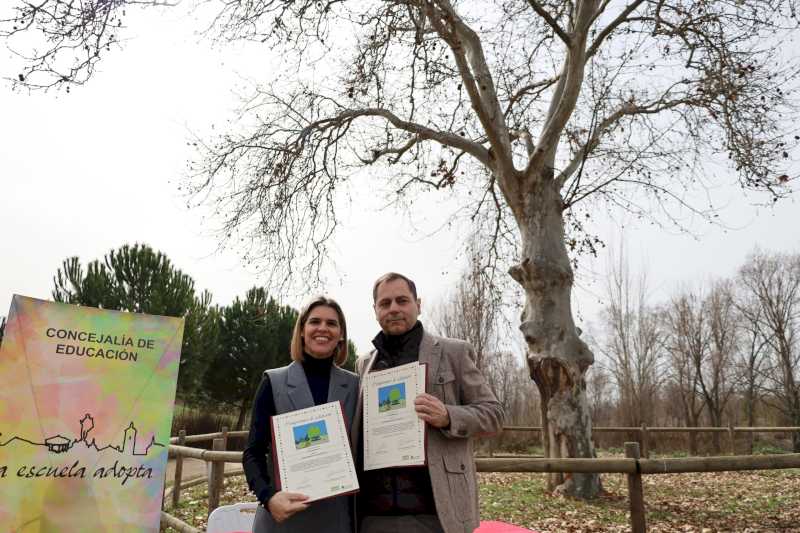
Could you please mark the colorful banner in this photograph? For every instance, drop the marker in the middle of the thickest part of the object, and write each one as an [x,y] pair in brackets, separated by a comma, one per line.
[86,402]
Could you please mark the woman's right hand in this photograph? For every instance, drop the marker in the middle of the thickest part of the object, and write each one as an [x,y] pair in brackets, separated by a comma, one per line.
[283,505]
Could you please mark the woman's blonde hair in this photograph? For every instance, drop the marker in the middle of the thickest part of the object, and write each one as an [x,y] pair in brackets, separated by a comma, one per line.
[340,352]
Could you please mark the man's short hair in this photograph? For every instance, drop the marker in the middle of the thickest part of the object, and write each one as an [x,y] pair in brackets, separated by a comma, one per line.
[391,276]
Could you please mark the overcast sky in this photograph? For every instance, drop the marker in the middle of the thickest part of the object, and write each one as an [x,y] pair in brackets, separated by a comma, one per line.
[89,171]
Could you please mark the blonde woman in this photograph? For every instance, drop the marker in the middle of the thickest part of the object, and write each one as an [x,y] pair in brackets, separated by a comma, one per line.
[319,347]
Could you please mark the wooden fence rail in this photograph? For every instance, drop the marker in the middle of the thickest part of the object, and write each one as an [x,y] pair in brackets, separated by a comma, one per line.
[645,430]
[599,429]
[658,429]
[176,524]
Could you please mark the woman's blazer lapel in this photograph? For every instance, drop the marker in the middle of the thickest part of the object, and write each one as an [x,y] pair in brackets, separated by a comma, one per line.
[297,384]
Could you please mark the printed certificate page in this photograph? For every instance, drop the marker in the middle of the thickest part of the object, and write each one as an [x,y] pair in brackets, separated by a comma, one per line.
[312,452]
[393,434]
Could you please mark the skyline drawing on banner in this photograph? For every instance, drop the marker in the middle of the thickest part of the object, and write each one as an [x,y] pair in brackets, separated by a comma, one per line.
[61,444]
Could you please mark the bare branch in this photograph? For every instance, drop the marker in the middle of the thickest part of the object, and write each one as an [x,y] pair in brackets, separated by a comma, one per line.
[531,89]
[72,37]
[536,6]
[398,151]
[626,110]
[468,52]
[567,91]
[609,29]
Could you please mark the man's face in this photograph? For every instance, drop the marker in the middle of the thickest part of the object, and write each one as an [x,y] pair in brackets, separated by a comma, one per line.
[395,307]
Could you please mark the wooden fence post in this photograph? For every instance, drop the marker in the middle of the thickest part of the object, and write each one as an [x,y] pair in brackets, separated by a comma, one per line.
[224,438]
[635,491]
[645,450]
[176,484]
[215,477]
[732,435]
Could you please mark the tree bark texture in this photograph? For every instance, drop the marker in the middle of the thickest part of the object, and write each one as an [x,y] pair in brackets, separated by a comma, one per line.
[557,358]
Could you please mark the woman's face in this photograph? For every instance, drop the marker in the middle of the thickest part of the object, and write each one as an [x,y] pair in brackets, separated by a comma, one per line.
[321,332]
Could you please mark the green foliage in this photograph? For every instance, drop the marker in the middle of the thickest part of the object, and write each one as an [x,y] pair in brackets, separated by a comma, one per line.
[350,363]
[139,279]
[133,278]
[253,334]
[768,448]
[200,346]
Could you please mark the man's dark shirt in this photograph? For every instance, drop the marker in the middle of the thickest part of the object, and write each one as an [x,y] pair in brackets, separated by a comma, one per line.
[396,491]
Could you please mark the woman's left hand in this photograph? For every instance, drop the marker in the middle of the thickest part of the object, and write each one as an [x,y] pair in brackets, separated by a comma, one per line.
[283,505]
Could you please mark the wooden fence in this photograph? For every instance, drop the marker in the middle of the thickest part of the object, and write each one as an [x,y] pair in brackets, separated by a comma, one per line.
[632,465]
[644,432]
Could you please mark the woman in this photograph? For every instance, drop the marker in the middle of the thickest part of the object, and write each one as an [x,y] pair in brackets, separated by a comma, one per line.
[319,346]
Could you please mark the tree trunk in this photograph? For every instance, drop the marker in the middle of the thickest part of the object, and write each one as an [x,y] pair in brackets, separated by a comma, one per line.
[692,420]
[242,414]
[557,357]
[692,443]
[716,421]
[554,479]
[796,434]
[750,409]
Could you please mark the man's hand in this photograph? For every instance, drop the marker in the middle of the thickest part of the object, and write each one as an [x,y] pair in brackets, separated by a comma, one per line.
[430,409]
[283,505]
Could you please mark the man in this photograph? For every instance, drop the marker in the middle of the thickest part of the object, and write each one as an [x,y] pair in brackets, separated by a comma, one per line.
[442,496]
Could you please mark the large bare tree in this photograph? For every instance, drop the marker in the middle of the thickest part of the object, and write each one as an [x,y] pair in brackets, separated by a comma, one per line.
[539,112]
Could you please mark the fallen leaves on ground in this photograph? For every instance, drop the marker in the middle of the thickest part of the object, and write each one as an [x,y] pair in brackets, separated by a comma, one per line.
[741,502]
[720,502]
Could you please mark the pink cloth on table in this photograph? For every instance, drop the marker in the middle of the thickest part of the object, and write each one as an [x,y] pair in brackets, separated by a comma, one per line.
[492,526]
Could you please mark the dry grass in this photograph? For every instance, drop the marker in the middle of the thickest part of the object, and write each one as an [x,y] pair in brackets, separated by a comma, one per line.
[766,501]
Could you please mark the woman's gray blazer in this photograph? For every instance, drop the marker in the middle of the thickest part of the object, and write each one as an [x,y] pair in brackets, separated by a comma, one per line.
[291,392]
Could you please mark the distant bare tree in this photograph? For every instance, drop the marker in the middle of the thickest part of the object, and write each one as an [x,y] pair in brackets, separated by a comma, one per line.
[715,370]
[774,281]
[632,343]
[686,342]
[752,357]
[599,391]
[471,312]
[503,373]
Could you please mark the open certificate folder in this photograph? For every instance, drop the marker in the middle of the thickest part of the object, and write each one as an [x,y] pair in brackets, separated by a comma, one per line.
[393,434]
[312,453]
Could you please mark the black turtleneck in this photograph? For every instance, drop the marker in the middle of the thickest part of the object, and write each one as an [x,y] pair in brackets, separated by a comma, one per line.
[318,375]
[257,458]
